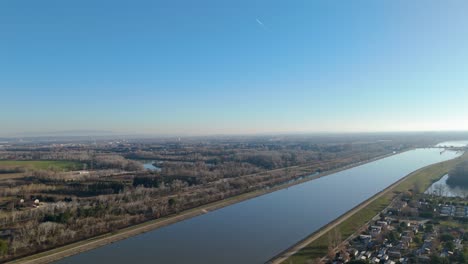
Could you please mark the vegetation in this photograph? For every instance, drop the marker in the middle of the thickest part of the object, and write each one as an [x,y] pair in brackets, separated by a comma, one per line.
[15,166]
[53,204]
[69,192]
[418,181]
[3,247]
[459,176]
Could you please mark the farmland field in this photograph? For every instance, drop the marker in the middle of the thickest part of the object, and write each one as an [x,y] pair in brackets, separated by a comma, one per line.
[10,169]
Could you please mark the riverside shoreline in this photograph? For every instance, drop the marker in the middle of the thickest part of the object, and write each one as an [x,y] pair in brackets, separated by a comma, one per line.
[283,256]
[102,240]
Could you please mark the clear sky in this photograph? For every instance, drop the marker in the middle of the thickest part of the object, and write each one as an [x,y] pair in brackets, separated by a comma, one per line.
[243,66]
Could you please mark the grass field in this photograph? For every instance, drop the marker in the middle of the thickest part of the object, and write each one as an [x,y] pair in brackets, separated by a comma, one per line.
[35,165]
[40,164]
[422,178]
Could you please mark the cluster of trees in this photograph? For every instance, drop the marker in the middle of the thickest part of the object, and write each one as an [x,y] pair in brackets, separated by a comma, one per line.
[147,182]
[11,170]
[239,162]
[61,222]
[40,153]
[89,158]
[114,203]
[459,176]
[109,197]
[111,161]
[460,257]
[206,172]
[54,177]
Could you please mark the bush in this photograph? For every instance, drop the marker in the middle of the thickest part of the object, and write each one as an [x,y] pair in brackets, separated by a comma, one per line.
[3,247]
[446,237]
[147,182]
[61,218]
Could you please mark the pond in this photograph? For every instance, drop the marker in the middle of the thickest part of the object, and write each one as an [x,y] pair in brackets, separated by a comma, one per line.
[441,188]
[150,166]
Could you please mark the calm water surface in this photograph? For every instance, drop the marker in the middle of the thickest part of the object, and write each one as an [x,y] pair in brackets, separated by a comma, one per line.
[255,230]
[150,166]
[442,188]
[456,143]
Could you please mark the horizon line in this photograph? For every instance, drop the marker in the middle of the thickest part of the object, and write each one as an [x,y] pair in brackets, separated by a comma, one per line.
[61,134]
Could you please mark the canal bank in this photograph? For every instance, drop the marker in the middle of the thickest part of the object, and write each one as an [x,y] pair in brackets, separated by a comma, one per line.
[106,239]
[252,230]
[312,246]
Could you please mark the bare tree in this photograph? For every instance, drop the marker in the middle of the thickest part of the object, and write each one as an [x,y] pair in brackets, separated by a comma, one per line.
[440,190]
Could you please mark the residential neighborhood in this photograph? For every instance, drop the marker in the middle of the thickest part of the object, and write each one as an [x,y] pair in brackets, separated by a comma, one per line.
[420,229]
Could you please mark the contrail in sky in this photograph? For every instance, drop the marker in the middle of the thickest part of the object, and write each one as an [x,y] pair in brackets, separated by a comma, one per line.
[259,22]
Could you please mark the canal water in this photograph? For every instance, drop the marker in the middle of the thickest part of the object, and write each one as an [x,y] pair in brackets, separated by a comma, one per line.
[255,230]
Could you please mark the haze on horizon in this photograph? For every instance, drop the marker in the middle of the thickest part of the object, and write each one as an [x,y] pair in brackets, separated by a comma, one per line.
[218,67]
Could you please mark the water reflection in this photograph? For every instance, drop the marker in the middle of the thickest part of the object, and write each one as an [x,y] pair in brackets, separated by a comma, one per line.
[150,166]
[441,188]
[455,143]
[255,230]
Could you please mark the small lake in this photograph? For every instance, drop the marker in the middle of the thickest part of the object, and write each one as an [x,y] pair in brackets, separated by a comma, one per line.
[455,143]
[441,188]
[150,166]
[255,230]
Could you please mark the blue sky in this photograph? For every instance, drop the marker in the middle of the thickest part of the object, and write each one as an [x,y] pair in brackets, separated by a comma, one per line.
[229,67]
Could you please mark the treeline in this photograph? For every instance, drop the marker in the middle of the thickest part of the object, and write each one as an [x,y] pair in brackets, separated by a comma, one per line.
[113,161]
[157,181]
[458,177]
[117,192]
[99,206]
[89,159]
[11,170]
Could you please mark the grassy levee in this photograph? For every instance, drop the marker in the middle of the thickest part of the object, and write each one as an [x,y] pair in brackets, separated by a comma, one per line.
[424,177]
